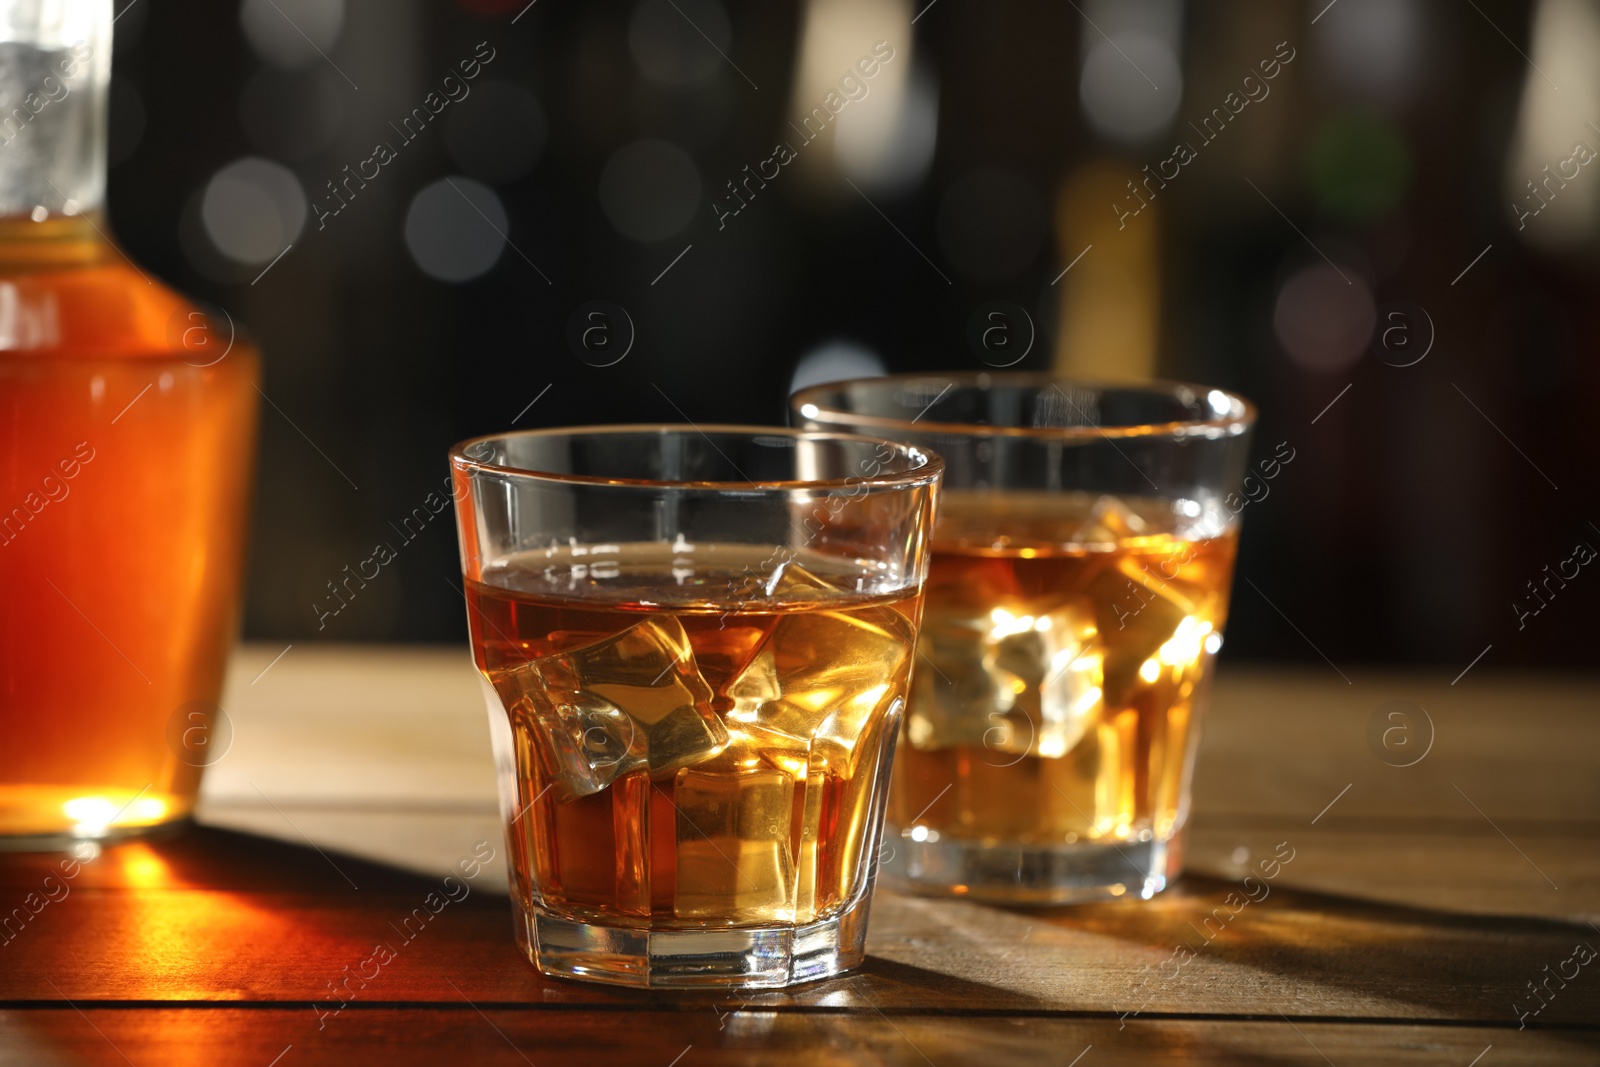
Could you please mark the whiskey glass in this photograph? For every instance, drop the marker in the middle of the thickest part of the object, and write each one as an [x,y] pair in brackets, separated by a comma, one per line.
[1076,597]
[695,645]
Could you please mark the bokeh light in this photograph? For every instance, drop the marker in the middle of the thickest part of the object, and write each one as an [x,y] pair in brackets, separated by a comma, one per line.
[252,209]
[1374,49]
[1401,141]
[666,39]
[1560,98]
[1359,166]
[1323,318]
[649,190]
[835,360]
[453,229]
[291,33]
[1130,87]
[888,142]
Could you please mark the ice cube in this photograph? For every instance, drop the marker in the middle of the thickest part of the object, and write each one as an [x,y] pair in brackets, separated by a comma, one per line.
[1109,522]
[790,581]
[735,860]
[634,700]
[1059,672]
[953,692]
[845,788]
[755,686]
[810,708]
[821,673]
[1023,679]
[1149,621]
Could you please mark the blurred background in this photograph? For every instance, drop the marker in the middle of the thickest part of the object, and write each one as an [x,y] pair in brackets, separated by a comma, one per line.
[1375,218]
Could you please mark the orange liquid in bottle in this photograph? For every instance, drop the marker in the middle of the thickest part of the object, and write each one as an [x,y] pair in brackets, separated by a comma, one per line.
[126,446]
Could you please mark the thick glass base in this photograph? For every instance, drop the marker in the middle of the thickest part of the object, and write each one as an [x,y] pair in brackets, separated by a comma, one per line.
[37,817]
[1004,873]
[75,843]
[765,958]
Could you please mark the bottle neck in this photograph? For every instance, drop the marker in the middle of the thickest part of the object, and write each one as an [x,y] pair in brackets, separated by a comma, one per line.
[55,71]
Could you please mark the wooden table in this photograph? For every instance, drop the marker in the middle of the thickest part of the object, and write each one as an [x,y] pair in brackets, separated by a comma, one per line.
[1420,903]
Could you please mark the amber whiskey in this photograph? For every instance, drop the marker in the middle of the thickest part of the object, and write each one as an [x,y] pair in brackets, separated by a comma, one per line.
[1066,645]
[696,746]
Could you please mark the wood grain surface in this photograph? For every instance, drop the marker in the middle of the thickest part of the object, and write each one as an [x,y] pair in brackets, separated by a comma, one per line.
[1420,904]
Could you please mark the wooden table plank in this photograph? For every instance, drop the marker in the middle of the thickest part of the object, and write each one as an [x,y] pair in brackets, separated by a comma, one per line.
[374,730]
[1462,868]
[409,725]
[516,1037]
[1420,904]
[1285,742]
[226,916]
[365,723]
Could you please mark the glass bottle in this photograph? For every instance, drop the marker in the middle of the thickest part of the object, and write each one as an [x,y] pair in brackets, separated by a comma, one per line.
[127,433]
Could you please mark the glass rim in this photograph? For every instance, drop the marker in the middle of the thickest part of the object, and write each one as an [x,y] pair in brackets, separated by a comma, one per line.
[1240,417]
[928,470]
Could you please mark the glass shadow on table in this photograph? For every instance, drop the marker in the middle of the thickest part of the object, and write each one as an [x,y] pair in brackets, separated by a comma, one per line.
[219,915]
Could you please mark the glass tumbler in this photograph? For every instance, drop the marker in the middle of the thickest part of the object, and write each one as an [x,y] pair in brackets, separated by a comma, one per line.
[695,645]
[1081,567]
